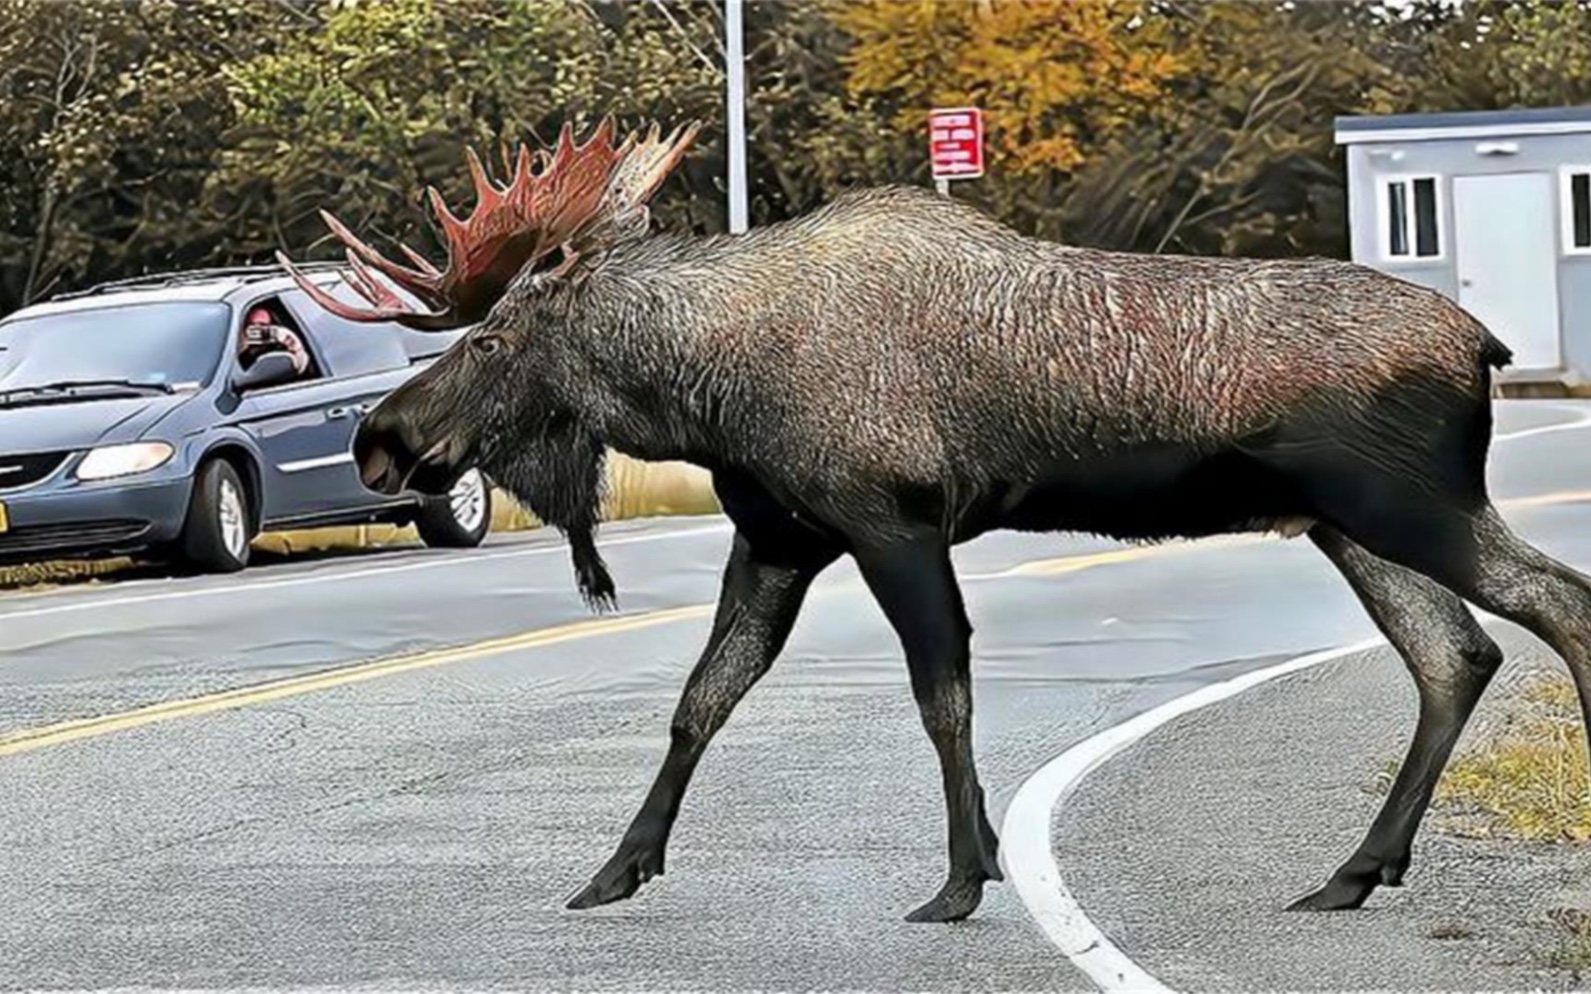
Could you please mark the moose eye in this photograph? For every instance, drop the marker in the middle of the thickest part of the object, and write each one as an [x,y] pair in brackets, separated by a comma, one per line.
[486,344]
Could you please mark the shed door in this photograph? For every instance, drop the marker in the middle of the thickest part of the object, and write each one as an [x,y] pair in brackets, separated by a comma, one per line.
[1507,265]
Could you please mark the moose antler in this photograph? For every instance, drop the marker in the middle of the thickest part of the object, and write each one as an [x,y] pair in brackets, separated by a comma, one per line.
[580,196]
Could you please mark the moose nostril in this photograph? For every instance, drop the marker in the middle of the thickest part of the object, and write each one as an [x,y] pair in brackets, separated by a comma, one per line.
[382,457]
[374,466]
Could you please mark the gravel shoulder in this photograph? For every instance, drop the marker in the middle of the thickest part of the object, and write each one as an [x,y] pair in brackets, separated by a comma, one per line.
[1185,849]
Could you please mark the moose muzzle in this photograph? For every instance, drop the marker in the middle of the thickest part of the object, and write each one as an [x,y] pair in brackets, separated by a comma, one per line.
[390,461]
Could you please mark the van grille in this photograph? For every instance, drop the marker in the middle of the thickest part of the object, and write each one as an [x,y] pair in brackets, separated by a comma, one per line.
[85,536]
[24,471]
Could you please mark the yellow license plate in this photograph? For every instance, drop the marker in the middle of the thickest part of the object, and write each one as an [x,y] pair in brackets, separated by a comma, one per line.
[5,520]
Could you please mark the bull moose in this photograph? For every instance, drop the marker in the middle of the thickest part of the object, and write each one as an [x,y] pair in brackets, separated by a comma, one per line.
[859,384]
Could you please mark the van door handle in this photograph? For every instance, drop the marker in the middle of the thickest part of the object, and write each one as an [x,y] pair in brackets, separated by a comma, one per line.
[353,409]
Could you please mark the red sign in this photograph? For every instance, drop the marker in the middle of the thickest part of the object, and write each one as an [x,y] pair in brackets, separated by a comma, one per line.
[955,142]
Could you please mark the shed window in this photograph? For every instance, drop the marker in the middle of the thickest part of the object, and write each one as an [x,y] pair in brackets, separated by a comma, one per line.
[1411,218]
[1575,183]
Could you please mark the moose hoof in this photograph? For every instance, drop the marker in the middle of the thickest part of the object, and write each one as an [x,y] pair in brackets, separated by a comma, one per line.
[1354,882]
[955,901]
[1339,894]
[621,877]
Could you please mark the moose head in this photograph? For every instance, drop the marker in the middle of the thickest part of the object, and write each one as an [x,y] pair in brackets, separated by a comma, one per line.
[499,398]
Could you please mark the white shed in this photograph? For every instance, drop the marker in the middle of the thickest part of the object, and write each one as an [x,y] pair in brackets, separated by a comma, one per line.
[1492,208]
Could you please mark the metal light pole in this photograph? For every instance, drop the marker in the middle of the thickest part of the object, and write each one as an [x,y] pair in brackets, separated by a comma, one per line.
[735,103]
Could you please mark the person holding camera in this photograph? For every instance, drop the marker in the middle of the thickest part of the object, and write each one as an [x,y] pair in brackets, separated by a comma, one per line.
[261,335]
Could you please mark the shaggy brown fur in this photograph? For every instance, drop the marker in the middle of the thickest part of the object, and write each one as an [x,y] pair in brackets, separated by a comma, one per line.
[880,354]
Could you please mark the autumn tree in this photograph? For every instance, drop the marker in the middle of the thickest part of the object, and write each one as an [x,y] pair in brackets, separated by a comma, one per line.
[157,134]
[376,100]
[1167,125]
[1240,157]
[1487,54]
[1056,81]
[109,117]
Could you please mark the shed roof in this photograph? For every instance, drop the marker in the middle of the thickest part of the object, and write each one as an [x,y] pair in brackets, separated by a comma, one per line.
[1464,124]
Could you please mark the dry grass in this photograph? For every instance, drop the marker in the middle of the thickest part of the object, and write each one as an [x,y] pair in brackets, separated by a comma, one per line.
[635,490]
[1529,778]
[646,489]
[32,575]
[1572,949]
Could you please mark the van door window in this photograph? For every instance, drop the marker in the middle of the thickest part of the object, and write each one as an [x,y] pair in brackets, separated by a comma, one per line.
[351,348]
[269,327]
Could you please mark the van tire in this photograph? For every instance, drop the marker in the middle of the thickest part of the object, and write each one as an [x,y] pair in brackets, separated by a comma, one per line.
[215,536]
[459,519]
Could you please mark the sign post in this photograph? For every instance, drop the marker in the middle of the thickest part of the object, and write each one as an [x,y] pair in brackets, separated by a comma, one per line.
[955,144]
[735,99]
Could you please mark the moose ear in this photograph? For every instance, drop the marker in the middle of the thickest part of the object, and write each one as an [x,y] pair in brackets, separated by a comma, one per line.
[570,268]
[635,222]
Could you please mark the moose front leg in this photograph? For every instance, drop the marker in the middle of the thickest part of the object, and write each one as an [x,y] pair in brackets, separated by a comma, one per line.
[915,585]
[762,592]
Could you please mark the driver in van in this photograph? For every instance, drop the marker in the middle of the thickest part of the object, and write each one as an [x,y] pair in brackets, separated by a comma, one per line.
[261,334]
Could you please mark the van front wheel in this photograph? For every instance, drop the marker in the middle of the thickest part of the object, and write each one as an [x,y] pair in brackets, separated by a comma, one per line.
[215,537]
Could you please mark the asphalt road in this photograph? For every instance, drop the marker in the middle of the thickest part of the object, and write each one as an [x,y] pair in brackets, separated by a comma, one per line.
[420,823]
[1189,871]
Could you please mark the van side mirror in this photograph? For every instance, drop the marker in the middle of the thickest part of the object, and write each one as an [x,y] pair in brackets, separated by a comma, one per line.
[268,370]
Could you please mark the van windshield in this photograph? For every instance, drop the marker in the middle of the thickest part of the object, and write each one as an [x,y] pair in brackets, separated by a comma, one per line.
[163,347]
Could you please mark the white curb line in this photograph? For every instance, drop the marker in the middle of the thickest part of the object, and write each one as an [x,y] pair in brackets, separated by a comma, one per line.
[1026,836]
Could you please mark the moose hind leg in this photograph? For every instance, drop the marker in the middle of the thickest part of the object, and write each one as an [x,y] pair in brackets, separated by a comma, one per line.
[914,583]
[1511,578]
[757,607]
[1475,555]
[1452,659]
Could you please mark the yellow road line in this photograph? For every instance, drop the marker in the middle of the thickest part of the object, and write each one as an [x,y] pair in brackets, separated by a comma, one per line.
[60,733]
[1547,500]
[70,731]
[27,740]
[1071,564]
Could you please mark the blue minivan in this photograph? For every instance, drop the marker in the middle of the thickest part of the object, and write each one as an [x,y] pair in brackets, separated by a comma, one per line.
[130,424]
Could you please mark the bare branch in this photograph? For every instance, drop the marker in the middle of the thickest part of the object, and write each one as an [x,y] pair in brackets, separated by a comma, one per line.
[685,37]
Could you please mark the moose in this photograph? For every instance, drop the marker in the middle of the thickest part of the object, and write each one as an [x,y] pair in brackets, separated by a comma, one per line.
[858,383]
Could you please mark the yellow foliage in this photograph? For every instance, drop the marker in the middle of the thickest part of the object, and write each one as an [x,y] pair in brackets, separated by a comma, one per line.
[1052,78]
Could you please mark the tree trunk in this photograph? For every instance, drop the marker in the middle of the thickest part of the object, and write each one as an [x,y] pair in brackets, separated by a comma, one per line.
[41,245]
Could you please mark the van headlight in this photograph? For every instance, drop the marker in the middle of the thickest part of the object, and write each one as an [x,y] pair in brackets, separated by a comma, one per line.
[123,460]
